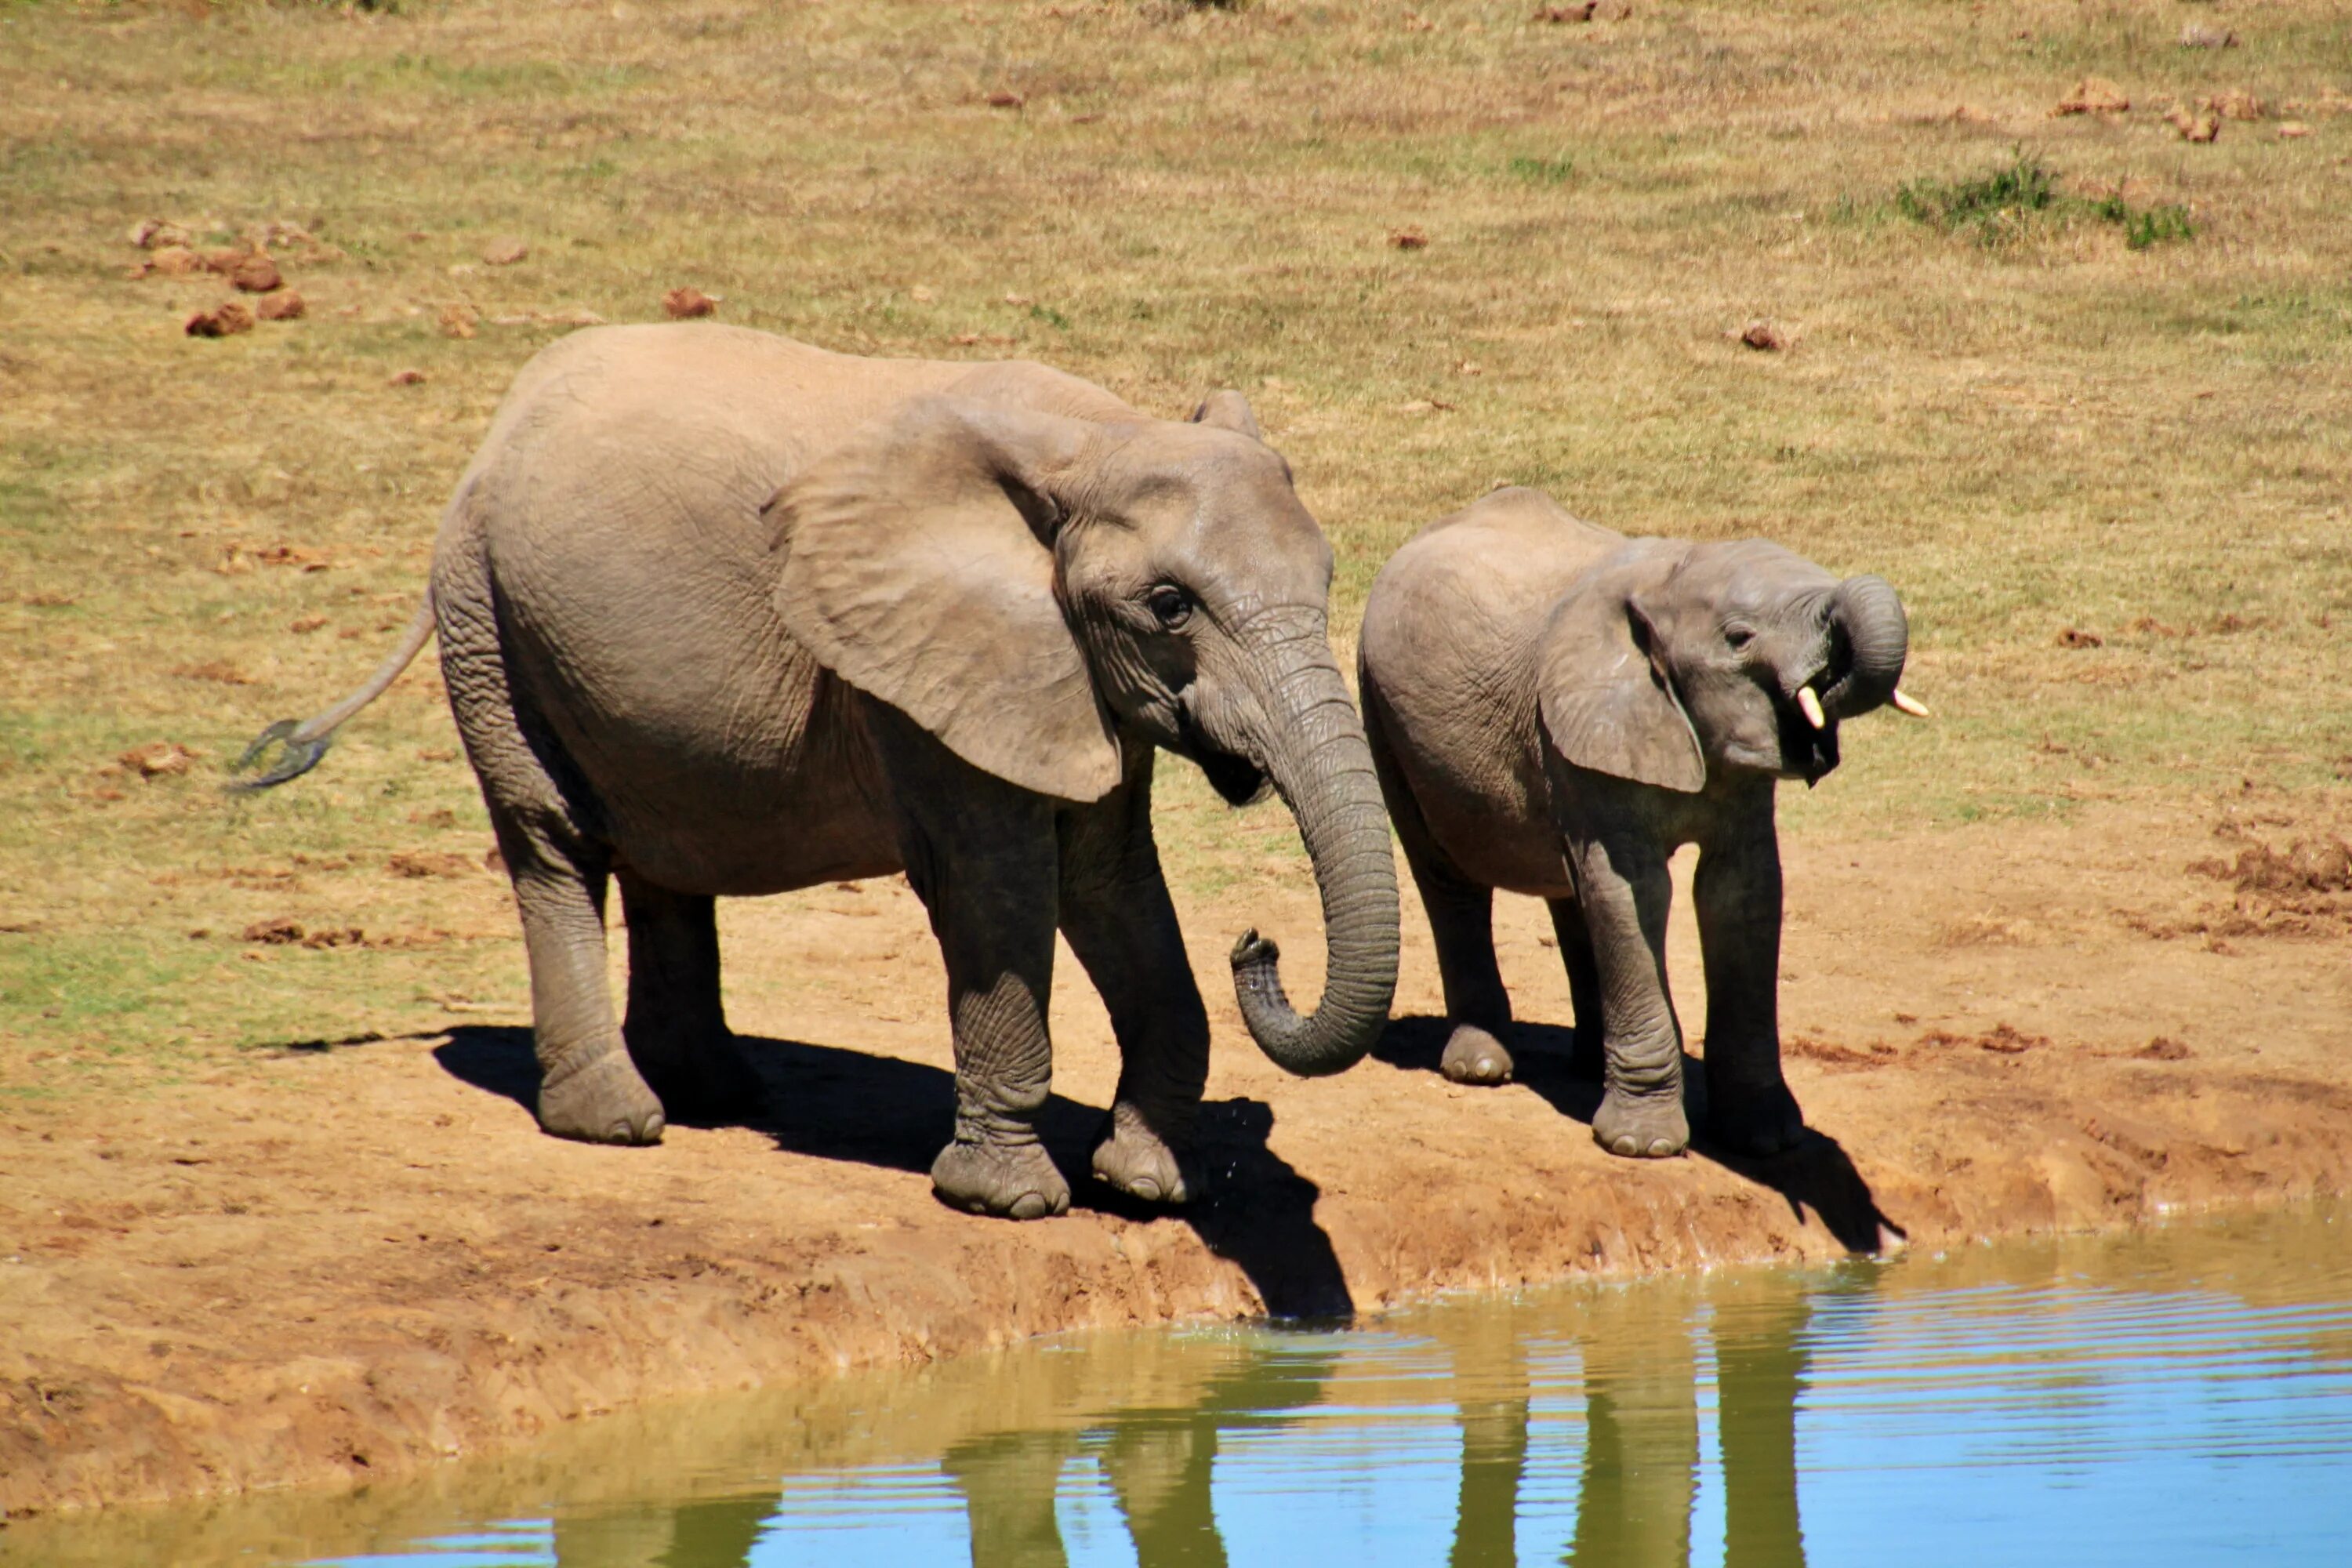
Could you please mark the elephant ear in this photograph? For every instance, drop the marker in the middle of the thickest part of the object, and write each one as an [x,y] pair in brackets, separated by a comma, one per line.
[918,566]
[1608,702]
[1229,410]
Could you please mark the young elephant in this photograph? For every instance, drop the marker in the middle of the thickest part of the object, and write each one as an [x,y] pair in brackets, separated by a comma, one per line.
[722,614]
[1554,709]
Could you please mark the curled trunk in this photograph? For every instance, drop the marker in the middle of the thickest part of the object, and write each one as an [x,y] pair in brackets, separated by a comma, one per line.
[1869,619]
[1314,752]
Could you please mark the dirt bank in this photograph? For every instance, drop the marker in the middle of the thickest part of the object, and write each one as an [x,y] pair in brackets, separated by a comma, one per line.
[328,1263]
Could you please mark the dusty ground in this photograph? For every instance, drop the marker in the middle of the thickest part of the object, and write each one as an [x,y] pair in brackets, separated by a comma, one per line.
[338,1260]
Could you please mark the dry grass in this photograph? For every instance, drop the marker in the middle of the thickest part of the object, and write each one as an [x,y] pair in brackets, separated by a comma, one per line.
[2052,431]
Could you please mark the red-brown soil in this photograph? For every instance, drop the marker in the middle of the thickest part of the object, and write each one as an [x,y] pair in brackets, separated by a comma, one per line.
[329,1263]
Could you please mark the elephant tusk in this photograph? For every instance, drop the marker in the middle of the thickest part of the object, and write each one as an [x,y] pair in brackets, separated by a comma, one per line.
[1906,703]
[1812,708]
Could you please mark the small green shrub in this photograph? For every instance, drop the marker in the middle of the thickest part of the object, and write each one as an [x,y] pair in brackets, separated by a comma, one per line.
[1999,198]
[2142,229]
[2001,206]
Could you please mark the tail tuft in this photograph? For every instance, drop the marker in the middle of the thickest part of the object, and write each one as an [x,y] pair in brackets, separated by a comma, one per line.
[298,757]
[305,741]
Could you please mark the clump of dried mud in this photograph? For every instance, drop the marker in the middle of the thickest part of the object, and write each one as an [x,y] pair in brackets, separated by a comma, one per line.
[2300,888]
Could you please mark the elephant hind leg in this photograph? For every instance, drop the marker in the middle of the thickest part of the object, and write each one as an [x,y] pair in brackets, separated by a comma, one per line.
[676,1026]
[1461,921]
[588,1087]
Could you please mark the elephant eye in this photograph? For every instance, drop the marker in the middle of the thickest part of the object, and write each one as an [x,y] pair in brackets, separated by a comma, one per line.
[1738,635]
[1170,604]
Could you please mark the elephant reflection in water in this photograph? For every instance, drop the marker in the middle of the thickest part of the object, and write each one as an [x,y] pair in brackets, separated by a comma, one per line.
[1156,1457]
[1158,1462]
[1640,1430]
[716,1533]
[1640,1472]
[1641,1450]
[1634,1510]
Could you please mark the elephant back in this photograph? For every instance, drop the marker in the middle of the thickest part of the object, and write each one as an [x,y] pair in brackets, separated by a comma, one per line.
[1478,584]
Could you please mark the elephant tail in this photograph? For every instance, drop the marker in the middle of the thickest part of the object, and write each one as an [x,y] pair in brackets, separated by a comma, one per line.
[306,741]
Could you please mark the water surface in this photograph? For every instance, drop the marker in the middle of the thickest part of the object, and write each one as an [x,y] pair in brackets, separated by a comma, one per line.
[2176,1396]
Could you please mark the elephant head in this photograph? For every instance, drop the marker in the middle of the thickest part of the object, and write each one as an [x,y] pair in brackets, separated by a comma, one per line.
[1670,662]
[1042,593]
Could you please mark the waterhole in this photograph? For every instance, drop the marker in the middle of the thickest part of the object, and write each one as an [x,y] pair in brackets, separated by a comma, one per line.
[2179,1395]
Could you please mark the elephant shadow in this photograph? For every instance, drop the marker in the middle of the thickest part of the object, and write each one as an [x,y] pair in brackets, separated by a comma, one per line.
[1255,1210]
[1816,1177]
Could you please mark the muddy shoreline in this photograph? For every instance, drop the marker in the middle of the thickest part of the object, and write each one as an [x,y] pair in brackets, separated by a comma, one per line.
[325,1265]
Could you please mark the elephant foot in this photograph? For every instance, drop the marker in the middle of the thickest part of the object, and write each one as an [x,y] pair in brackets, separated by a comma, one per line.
[1474,1056]
[1642,1127]
[706,1079]
[1138,1162]
[1011,1181]
[602,1101]
[1759,1121]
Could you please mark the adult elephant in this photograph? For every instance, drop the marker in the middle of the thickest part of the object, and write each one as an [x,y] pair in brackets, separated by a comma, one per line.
[723,614]
[1554,709]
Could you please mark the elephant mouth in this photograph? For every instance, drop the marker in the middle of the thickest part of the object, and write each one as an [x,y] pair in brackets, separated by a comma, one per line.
[1806,752]
[1237,779]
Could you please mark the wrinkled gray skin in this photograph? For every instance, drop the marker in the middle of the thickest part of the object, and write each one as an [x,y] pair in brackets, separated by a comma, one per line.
[722,614]
[1554,709]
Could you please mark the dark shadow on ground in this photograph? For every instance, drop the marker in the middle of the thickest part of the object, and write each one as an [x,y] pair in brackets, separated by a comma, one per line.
[1251,1208]
[1817,1177]
[323,1047]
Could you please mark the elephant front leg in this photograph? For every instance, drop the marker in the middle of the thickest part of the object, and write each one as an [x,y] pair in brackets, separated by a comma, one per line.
[980,853]
[995,1164]
[1738,894]
[999,980]
[998,941]
[1120,922]
[1623,890]
[1586,1058]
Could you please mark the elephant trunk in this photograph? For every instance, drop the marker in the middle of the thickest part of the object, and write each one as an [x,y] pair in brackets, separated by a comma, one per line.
[1314,752]
[1869,619]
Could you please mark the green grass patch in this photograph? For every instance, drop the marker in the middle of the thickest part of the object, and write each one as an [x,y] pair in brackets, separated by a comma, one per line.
[1541,171]
[2000,200]
[2008,204]
[98,992]
[2144,226]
